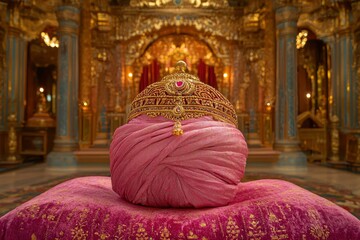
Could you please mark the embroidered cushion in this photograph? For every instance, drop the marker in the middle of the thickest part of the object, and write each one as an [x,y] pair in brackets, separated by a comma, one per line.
[88,208]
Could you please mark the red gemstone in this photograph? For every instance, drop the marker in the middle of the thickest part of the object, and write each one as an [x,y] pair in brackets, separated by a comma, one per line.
[179,83]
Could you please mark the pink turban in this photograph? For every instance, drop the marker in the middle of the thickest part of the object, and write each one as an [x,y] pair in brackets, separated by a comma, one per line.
[201,168]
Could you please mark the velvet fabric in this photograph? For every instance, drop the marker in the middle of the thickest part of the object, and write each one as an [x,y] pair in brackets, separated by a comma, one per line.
[88,208]
[152,167]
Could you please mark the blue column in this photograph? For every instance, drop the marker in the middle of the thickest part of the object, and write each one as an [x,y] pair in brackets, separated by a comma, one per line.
[334,90]
[3,80]
[14,92]
[286,135]
[348,88]
[66,140]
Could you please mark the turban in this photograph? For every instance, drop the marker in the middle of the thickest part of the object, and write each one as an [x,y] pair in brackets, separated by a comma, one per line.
[180,148]
[202,168]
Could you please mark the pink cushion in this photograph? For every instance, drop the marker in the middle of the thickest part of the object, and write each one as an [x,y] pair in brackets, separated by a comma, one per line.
[201,168]
[88,208]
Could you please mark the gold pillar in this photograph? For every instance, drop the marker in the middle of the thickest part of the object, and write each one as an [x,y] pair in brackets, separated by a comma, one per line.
[85,134]
[253,98]
[12,156]
[334,139]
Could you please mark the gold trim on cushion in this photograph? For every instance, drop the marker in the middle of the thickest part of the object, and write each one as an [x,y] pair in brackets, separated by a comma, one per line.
[180,96]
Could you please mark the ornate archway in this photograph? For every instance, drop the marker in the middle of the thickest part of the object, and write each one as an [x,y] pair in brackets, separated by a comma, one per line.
[168,49]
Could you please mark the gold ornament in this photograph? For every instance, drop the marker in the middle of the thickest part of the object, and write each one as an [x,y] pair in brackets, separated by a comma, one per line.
[180,96]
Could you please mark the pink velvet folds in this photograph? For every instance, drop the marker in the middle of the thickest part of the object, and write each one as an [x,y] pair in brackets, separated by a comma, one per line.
[201,168]
[88,208]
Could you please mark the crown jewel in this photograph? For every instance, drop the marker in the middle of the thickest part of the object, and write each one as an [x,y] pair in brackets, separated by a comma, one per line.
[180,96]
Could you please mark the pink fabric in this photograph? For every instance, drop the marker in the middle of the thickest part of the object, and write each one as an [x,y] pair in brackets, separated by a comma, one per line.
[88,208]
[201,168]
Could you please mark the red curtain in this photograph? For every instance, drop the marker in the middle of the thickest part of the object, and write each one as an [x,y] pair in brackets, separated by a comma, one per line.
[206,74]
[150,74]
[212,77]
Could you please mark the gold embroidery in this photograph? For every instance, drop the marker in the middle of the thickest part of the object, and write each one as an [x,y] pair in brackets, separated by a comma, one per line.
[121,229]
[214,226]
[181,236]
[255,232]
[30,211]
[279,232]
[192,235]
[61,234]
[78,232]
[232,229]
[165,234]
[49,217]
[33,237]
[141,233]
[203,224]
[318,230]
[102,236]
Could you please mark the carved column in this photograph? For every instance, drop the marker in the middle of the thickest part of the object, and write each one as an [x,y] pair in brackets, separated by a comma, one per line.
[66,140]
[85,75]
[286,135]
[16,50]
[356,10]
[253,98]
[3,84]
[348,88]
[356,31]
[334,81]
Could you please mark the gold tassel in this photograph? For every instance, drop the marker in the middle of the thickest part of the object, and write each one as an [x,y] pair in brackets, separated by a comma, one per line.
[177,131]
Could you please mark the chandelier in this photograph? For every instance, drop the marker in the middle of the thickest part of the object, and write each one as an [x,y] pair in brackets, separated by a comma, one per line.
[50,42]
[301,39]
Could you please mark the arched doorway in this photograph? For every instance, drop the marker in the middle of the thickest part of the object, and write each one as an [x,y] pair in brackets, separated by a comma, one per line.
[161,55]
[312,74]
[313,94]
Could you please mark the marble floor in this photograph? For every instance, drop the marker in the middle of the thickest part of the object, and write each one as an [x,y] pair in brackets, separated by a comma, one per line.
[40,173]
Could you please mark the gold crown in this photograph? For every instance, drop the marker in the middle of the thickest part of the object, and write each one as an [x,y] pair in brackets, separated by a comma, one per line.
[180,96]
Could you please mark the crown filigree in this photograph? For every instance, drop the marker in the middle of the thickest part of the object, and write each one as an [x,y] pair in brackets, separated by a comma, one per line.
[180,96]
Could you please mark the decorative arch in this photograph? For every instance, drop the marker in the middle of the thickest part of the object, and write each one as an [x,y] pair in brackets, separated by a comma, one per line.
[162,54]
[137,45]
[320,28]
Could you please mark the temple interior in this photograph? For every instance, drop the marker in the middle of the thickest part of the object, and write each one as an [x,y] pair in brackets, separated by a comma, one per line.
[70,69]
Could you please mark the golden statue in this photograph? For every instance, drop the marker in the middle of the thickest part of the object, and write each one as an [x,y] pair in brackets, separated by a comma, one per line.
[41,104]
[42,117]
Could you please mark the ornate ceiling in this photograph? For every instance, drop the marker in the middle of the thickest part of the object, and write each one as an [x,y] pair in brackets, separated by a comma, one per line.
[180,3]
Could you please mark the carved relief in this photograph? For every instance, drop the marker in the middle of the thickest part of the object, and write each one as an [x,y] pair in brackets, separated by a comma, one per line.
[32,17]
[178,3]
[131,25]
